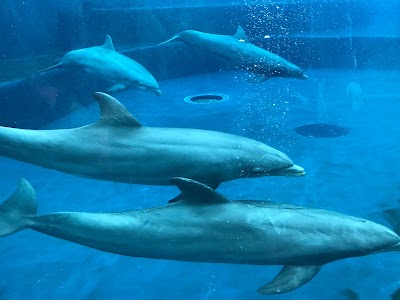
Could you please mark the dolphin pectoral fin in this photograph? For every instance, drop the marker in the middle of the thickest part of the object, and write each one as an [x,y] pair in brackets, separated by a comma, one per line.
[392,216]
[180,196]
[116,88]
[176,199]
[196,192]
[108,44]
[112,112]
[289,279]
[257,78]
[241,35]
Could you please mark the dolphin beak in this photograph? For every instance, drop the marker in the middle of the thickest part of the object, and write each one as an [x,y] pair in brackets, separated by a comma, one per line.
[157,92]
[303,77]
[295,170]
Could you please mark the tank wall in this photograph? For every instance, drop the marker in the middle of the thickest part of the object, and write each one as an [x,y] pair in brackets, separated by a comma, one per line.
[38,27]
[312,34]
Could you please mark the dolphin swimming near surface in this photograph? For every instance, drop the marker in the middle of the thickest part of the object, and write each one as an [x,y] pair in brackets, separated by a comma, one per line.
[106,63]
[207,227]
[237,51]
[118,148]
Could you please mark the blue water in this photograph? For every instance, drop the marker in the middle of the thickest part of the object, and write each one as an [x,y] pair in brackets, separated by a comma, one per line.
[356,174]
[349,174]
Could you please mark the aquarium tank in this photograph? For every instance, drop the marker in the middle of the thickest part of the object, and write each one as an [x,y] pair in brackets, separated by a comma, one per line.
[197,149]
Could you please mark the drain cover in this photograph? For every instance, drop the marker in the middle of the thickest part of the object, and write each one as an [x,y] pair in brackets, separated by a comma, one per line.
[321,130]
[206,98]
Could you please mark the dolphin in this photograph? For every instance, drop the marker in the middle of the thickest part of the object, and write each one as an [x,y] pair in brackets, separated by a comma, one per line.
[237,51]
[118,148]
[106,63]
[207,227]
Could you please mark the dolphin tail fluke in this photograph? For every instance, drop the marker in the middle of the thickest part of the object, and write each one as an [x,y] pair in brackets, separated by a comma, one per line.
[15,211]
[289,279]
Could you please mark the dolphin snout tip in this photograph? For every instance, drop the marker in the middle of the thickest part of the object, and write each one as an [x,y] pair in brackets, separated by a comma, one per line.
[157,92]
[296,171]
[303,77]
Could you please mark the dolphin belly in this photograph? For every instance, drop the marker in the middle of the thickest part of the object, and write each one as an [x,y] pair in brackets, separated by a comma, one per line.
[218,234]
[317,237]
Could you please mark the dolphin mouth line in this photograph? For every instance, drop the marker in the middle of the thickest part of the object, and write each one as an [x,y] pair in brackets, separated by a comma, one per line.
[303,77]
[158,92]
[153,90]
[292,171]
[295,171]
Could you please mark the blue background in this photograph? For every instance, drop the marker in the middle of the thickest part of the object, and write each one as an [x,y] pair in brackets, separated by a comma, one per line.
[355,174]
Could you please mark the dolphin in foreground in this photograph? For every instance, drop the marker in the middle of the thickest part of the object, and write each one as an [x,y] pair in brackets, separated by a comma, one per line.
[118,148]
[237,51]
[106,63]
[207,227]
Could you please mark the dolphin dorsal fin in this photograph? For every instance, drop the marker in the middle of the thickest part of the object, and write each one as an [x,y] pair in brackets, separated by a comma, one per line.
[108,44]
[241,35]
[197,193]
[112,112]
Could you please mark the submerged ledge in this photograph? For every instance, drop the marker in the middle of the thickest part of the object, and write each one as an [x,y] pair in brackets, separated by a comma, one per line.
[36,101]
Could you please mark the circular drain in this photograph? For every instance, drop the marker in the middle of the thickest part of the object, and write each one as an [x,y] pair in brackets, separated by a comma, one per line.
[206,98]
[321,131]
